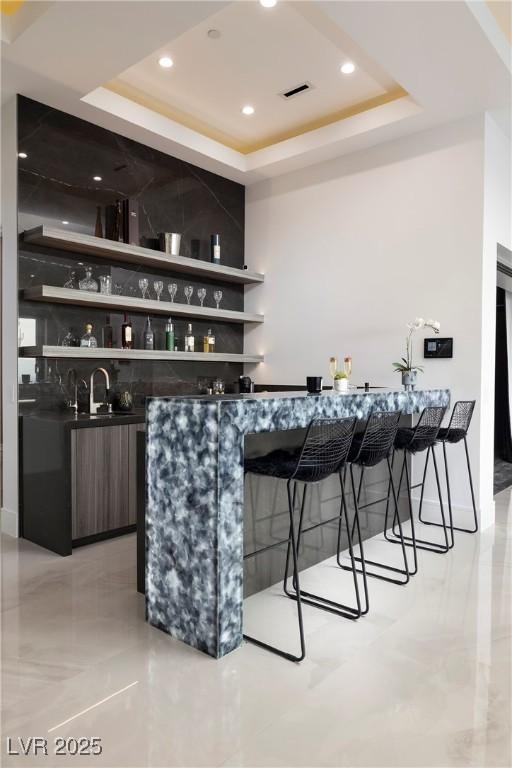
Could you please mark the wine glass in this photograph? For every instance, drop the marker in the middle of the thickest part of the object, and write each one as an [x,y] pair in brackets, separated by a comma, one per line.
[188,291]
[144,285]
[173,290]
[217,296]
[201,294]
[158,286]
[333,367]
[347,366]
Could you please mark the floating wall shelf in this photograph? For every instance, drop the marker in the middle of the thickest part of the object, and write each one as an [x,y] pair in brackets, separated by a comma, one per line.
[57,295]
[99,353]
[99,247]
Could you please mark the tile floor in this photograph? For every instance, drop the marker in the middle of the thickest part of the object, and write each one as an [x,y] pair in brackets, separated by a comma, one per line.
[423,680]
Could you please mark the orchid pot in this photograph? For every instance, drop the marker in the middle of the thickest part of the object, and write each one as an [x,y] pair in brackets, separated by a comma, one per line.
[409,380]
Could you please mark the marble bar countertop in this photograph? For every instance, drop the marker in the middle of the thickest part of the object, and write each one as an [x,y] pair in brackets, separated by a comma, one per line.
[194,514]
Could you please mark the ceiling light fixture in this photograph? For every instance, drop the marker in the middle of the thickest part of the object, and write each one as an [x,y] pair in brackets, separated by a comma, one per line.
[166,62]
[97,178]
[23,155]
[248,110]
[268,3]
[348,67]
[65,222]
[214,34]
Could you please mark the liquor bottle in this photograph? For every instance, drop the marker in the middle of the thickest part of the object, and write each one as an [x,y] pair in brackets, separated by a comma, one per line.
[209,342]
[215,248]
[149,336]
[126,333]
[169,336]
[189,339]
[98,229]
[108,334]
[88,340]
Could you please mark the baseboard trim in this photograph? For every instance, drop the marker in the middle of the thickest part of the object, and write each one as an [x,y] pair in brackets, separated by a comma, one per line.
[9,522]
[462,514]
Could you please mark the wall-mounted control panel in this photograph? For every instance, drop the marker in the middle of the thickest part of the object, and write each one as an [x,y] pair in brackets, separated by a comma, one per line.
[438,347]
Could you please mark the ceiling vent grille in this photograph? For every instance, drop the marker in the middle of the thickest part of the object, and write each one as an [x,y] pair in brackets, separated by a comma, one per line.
[296,91]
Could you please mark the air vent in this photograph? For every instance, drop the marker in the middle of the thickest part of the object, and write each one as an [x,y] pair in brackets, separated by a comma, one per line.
[302,88]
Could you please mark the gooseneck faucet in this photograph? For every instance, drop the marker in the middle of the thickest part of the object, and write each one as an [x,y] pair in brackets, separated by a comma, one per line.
[93,405]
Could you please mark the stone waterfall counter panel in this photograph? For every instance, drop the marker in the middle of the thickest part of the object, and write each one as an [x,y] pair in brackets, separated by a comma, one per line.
[195,496]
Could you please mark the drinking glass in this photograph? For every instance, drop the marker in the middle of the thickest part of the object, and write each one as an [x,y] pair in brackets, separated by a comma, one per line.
[158,286]
[106,284]
[173,290]
[144,285]
[188,290]
[347,366]
[333,366]
[217,295]
[201,294]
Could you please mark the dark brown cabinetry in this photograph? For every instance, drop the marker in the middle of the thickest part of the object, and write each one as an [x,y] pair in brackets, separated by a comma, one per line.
[79,479]
[100,480]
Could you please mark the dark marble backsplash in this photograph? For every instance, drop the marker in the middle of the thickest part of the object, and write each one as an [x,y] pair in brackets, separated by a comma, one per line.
[55,184]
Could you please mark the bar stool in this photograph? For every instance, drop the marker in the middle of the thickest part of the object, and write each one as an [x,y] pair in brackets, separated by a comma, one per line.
[411,441]
[323,453]
[454,433]
[370,448]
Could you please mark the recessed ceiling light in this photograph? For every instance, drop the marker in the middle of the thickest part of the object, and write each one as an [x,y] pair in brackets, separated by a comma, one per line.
[65,222]
[248,110]
[348,67]
[23,155]
[268,3]
[96,178]
[166,62]
[214,34]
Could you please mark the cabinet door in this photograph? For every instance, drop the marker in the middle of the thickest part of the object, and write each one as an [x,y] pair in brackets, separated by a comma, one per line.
[99,480]
[133,479]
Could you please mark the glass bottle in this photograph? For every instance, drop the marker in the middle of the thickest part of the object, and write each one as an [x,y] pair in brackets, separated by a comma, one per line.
[126,333]
[209,342]
[149,336]
[189,339]
[108,334]
[98,229]
[169,335]
[88,340]
[88,283]
[215,248]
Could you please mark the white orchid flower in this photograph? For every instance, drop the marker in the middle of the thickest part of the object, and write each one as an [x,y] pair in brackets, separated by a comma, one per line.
[419,323]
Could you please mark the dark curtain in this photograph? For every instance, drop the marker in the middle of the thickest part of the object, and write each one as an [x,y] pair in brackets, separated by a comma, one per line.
[502,436]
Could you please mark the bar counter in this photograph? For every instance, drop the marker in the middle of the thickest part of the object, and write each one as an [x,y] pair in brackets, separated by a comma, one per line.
[195,497]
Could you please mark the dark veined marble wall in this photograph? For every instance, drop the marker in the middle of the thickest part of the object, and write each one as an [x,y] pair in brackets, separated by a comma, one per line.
[55,184]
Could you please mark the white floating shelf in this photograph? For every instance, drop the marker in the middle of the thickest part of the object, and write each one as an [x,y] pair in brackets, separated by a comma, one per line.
[99,247]
[55,294]
[99,353]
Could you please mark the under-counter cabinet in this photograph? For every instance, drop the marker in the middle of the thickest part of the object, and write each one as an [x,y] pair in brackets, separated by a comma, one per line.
[79,479]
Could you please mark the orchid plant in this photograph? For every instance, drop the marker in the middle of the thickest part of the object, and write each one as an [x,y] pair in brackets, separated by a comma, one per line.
[406,366]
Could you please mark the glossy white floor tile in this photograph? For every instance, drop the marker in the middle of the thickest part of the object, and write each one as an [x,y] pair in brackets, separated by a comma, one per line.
[423,680]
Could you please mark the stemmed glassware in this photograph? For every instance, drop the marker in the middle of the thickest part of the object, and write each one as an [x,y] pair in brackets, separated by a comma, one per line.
[217,295]
[173,290]
[144,285]
[158,286]
[188,290]
[201,294]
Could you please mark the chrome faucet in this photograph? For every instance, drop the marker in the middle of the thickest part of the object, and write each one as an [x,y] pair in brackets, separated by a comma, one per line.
[94,406]
[72,379]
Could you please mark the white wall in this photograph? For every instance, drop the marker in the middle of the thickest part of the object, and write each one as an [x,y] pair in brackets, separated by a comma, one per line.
[355,248]
[9,144]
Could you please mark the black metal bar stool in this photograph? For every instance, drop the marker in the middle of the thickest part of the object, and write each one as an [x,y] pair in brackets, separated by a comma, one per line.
[411,441]
[369,448]
[455,432]
[324,452]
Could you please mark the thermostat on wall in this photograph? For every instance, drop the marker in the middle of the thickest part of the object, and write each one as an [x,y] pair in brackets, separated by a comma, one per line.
[438,348]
